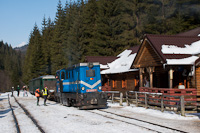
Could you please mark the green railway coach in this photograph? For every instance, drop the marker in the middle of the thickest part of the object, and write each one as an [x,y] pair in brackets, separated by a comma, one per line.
[41,82]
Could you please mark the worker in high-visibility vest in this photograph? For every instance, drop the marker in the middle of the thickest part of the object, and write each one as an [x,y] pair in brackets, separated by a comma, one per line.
[45,94]
[37,94]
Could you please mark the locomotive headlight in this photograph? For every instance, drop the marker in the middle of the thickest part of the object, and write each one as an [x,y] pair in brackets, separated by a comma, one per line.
[99,87]
[83,88]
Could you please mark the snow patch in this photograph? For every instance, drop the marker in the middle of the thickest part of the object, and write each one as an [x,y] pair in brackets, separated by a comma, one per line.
[185,61]
[122,64]
[194,48]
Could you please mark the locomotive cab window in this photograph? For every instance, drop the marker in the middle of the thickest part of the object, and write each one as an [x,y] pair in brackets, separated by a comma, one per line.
[62,75]
[90,73]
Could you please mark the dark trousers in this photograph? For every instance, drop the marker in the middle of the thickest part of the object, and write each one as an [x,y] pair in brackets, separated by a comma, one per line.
[45,98]
[38,98]
[17,92]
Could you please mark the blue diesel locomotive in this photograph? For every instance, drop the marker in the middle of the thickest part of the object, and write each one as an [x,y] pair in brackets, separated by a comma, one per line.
[80,86]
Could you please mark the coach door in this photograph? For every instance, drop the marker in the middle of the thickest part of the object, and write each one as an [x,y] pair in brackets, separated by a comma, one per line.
[62,78]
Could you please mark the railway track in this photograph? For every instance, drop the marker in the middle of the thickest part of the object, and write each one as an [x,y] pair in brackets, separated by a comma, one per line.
[27,113]
[14,117]
[137,122]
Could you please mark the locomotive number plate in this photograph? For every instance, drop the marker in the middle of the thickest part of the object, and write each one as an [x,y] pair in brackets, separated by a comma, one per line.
[92,90]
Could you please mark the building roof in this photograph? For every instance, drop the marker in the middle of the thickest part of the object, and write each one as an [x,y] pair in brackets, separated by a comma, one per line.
[170,47]
[193,32]
[123,63]
[134,49]
[101,59]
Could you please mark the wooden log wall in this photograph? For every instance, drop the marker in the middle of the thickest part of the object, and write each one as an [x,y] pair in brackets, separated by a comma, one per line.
[197,79]
[124,82]
[148,57]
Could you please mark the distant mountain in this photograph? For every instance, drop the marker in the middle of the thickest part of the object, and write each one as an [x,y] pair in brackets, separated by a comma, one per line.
[23,49]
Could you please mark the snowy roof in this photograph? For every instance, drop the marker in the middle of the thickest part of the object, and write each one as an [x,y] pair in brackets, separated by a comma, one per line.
[191,50]
[185,61]
[175,50]
[104,66]
[121,64]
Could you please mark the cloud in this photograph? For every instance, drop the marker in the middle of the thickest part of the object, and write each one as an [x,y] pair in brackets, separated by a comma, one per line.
[22,44]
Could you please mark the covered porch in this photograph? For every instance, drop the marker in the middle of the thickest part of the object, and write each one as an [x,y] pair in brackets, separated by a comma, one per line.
[166,66]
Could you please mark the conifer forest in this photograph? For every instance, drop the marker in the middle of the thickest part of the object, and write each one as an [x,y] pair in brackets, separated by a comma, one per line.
[92,28]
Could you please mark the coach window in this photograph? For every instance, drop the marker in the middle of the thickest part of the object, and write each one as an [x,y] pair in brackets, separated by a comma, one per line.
[62,75]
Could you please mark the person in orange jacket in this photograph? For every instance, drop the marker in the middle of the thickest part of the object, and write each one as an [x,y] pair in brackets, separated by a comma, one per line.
[37,94]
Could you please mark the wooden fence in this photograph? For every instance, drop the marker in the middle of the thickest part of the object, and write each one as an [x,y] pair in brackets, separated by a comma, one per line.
[115,96]
[159,101]
[177,103]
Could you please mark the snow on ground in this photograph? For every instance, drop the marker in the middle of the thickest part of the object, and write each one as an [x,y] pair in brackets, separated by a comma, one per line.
[156,113]
[56,118]
[6,118]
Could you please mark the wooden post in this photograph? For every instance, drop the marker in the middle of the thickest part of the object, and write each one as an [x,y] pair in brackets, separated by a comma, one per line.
[151,80]
[127,100]
[146,101]
[150,71]
[182,105]
[162,106]
[121,99]
[136,98]
[171,78]
[112,97]
[141,76]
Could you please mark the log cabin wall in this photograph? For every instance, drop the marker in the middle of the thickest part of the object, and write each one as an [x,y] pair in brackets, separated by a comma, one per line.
[148,57]
[124,81]
[197,79]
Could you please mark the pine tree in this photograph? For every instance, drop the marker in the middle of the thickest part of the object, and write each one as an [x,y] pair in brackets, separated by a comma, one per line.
[34,58]
[47,35]
[10,66]
[57,49]
[75,47]
[89,28]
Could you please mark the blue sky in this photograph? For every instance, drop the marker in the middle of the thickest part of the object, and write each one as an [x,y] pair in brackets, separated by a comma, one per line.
[18,17]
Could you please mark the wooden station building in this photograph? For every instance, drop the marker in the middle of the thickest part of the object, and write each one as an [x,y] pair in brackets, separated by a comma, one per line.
[166,61]
[161,62]
[119,76]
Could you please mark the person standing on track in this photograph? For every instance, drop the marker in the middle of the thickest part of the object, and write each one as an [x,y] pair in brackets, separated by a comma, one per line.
[45,94]
[25,91]
[12,89]
[18,89]
[37,94]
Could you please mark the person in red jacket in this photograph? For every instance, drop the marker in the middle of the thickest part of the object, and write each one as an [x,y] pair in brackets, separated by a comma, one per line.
[37,94]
